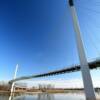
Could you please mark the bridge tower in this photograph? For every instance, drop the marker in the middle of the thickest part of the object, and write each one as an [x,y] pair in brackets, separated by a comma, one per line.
[88,86]
[12,84]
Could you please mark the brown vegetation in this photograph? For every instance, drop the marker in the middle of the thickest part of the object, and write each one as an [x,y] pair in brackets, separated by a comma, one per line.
[4,86]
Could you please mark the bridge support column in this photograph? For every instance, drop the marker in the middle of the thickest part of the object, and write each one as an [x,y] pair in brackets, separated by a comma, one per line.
[88,86]
[12,85]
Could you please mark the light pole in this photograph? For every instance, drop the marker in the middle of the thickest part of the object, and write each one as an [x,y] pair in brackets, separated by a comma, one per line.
[88,86]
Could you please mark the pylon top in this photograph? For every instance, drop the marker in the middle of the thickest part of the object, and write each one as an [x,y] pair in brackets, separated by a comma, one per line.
[71,3]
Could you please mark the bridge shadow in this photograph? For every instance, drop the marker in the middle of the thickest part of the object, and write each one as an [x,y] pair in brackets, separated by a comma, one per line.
[45,96]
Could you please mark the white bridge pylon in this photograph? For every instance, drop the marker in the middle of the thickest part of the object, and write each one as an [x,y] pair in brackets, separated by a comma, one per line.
[12,86]
[88,86]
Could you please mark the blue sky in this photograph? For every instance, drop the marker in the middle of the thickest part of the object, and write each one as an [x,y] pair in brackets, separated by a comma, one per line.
[38,35]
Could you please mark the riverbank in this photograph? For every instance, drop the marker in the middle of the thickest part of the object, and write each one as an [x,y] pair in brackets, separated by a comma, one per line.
[46,91]
[18,93]
[39,91]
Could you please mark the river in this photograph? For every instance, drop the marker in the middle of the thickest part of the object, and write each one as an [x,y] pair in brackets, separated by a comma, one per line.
[69,96]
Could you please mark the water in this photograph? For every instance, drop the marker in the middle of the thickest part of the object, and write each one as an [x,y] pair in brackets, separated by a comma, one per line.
[68,96]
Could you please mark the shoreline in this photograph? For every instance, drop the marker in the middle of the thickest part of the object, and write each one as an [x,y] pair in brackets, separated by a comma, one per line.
[47,91]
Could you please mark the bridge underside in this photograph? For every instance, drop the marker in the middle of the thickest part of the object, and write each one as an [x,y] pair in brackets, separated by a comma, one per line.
[92,65]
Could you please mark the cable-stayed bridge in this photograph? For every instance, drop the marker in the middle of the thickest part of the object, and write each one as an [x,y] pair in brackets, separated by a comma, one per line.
[84,65]
[92,65]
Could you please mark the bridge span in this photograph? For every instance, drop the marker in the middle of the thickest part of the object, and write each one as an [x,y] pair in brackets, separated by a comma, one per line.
[92,65]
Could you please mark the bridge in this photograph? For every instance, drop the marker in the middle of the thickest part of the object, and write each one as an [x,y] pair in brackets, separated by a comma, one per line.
[92,65]
[84,65]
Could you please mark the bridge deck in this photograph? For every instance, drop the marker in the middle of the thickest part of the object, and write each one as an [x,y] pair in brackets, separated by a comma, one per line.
[92,65]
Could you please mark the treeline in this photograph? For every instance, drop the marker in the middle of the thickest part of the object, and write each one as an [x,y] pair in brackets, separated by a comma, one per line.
[97,89]
[4,86]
